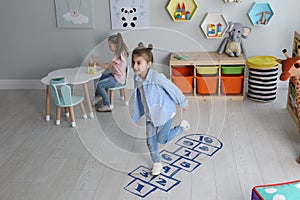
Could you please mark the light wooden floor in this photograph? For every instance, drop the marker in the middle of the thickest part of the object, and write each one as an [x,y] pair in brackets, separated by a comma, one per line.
[39,160]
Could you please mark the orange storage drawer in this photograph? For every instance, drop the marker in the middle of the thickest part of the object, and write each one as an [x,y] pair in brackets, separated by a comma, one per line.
[183,70]
[184,83]
[232,84]
[207,85]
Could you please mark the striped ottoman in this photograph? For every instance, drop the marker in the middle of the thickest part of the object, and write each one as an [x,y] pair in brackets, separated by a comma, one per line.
[262,79]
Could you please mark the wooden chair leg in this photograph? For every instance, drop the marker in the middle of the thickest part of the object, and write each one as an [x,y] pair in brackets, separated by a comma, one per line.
[67,112]
[72,117]
[57,122]
[88,100]
[47,103]
[84,115]
[125,96]
[122,94]
[111,96]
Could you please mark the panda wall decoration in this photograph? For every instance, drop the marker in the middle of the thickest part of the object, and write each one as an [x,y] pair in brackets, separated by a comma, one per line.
[129,14]
[128,17]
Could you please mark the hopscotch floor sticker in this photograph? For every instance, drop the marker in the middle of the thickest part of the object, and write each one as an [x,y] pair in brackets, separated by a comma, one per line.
[192,150]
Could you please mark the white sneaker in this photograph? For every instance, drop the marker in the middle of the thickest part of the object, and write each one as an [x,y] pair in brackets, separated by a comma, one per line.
[97,100]
[156,170]
[185,124]
[105,108]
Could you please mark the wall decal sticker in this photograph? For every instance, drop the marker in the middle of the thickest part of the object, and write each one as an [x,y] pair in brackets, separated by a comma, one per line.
[129,14]
[191,153]
[74,13]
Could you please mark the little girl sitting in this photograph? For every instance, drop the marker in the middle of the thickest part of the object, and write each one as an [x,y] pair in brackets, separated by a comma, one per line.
[117,75]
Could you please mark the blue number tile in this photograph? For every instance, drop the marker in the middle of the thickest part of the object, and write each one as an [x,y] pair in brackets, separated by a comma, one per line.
[212,141]
[168,157]
[188,143]
[206,149]
[142,173]
[187,153]
[186,164]
[205,139]
[169,170]
[201,158]
[164,183]
[140,188]
[193,150]
[195,137]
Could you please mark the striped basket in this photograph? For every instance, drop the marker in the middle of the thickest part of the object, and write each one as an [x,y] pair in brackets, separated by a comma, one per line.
[262,84]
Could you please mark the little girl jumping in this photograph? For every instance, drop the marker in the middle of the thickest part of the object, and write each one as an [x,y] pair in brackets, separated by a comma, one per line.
[117,75]
[155,97]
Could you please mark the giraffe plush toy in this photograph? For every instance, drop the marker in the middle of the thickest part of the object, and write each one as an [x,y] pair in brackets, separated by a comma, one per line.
[291,68]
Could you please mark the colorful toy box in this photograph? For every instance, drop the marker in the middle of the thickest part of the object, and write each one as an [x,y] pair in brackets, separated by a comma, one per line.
[262,80]
[232,84]
[280,191]
[184,83]
[207,84]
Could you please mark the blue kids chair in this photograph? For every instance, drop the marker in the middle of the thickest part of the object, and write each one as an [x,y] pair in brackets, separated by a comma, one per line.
[65,100]
[122,89]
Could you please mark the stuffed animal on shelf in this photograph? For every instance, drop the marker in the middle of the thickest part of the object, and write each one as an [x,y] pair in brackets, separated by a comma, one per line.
[291,68]
[232,45]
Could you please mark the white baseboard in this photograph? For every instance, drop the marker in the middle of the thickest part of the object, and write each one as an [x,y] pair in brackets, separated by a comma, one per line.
[15,84]
[282,84]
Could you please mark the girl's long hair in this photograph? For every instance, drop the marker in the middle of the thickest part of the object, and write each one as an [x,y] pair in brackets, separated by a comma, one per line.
[121,47]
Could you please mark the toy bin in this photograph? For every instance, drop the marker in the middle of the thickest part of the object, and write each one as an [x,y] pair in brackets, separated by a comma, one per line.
[284,190]
[232,70]
[207,84]
[184,83]
[262,81]
[232,84]
[207,70]
[183,70]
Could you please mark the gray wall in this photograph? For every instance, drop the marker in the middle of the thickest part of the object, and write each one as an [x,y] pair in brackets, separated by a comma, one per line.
[31,45]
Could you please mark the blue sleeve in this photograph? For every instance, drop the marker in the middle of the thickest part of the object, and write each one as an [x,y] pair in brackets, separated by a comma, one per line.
[173,91]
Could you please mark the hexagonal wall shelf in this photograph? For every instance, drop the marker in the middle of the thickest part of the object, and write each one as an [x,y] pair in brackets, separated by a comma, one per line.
[182,10]
[260,14]
[214,25]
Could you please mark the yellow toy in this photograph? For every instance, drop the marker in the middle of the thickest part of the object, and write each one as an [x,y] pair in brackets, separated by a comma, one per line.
[92,68]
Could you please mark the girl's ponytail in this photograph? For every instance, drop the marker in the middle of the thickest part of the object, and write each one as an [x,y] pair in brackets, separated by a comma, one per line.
[122,46]
[117,40]
[150,47]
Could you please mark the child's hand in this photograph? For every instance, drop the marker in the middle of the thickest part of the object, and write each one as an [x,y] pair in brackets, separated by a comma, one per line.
[94,58]
[185,108]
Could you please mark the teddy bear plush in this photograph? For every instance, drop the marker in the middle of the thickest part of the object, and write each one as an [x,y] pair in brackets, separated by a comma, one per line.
[233,45]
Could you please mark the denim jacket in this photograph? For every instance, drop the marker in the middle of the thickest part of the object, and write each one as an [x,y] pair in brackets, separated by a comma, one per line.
[161,96]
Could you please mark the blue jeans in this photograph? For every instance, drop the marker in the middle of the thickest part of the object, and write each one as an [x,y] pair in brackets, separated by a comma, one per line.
[107,80]
[162,135]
